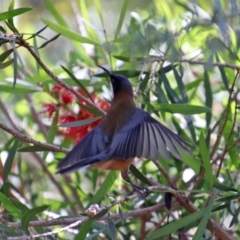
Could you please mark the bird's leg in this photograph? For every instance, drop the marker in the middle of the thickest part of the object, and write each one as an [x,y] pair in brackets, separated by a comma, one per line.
[142,191]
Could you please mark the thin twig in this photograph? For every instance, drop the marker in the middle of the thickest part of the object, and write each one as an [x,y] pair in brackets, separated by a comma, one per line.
[27,139]
[219,231]
[214,148]
[23,43]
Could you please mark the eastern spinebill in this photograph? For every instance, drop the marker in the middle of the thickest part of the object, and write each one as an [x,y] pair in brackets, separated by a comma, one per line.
[124,133]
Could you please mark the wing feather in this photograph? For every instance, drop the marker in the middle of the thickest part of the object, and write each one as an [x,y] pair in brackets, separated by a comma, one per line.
[91,145]
[143,136]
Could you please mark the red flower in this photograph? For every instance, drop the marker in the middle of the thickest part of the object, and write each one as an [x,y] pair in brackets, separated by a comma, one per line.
[66,96]
[57,88]
[67,119]
[67,115]
[49,109]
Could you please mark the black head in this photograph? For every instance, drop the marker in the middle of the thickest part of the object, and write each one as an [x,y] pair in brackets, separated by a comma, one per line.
[119,82]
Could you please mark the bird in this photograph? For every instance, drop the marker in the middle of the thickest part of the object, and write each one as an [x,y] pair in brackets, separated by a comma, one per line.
[126,132]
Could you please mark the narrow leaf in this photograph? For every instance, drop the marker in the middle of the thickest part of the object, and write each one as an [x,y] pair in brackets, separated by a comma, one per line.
[177,224]
[235,218]
[9,206]
[205,155]
[99,10]
[182,108]
[181,85]
[20,89]
[5,54]
[6,64]
[121,18]
[209,97]
[139,175]
[202,226]
[104,189]
[84,230]
[68,33]
[80,122]
[9,161]
[13,13]
[111,228]
[222,187]
[223,74]
[58,17]
[78,82]
[31,214]
[33,149]
[51,40]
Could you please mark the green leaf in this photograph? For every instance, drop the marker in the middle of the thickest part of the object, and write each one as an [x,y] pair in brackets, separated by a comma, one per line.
[13,13]
[9,161]
[19,89]
[99,10]
[177,224]
[7,63]
[223,187]
[11,26]
[223,74]
[84,230]
[37,33]
[58,17]
[78,82]
[205,156]
[229,198]
[91,110]
[122,58]
[80,122]
[235,218]
[202,226]
[51,40]
[111,228]
[23,208]
[68,33]
[128,73]
[6,229]
[209,97]
[172,94]
[33,149]
[121,17]
[16,57]
[190,161]
[9,206]
[100,214]
[139,175]
[31,214]
[11,7]
[104,189]
[5,54]
[181,108]
[181,85]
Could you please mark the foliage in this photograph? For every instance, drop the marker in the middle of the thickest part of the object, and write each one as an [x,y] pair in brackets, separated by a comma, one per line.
[181,59]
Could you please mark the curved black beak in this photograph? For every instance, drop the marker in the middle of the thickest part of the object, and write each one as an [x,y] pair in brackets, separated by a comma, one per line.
[106,71]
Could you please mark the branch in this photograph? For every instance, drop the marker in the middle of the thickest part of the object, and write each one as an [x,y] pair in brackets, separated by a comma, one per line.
[24,138]
[23,43]
[219,232]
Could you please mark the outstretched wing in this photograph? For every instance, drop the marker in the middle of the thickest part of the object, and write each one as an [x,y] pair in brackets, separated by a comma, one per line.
[145,137]
[91,145]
